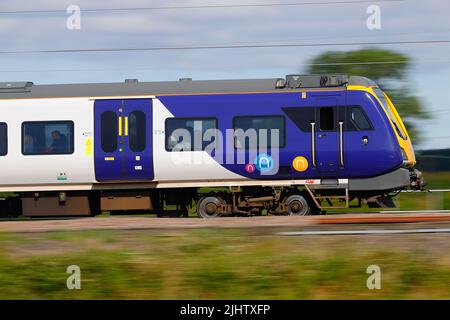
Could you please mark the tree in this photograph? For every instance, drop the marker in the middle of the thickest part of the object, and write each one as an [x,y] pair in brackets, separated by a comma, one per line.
[388,68]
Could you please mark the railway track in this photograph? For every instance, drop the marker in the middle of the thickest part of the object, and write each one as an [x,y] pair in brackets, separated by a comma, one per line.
[284,222]
[365,232]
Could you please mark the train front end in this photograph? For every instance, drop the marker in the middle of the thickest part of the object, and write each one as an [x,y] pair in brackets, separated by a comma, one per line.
[404,141]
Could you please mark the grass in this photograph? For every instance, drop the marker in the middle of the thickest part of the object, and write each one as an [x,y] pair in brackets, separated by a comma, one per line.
[418,201]
[230,263]
[437,180]
[221,264]
[430,201]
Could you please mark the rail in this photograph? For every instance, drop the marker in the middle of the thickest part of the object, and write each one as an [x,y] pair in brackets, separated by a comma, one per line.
[429,190]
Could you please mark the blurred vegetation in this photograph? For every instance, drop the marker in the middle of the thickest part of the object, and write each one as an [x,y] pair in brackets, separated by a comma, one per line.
[221,264]
[437,180]
[427,200]
[434,161]
[388,68]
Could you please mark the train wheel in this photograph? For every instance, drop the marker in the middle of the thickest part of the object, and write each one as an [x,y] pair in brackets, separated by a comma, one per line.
[297,205]
[210,207]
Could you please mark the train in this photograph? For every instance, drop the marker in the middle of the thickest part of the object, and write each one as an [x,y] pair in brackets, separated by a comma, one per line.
[296,145]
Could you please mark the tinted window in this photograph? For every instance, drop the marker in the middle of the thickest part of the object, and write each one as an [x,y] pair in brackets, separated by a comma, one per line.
[385,104]
[359,118]
[137,134]
[256,129]
[301,116]
[326,119]
[189,134]
[108,123]
[47,137]
[3,139]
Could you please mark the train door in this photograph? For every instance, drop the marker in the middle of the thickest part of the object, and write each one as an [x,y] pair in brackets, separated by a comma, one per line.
[328,135]
[123,140]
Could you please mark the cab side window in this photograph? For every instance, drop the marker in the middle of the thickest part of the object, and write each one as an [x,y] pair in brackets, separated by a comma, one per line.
[358,119]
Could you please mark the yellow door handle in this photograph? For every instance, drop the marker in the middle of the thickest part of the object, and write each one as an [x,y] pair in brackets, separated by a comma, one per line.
[120,126]
[126,126]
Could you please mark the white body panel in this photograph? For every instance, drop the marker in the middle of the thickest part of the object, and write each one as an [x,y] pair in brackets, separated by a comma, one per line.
[182,166]
[18,169]
[21,173]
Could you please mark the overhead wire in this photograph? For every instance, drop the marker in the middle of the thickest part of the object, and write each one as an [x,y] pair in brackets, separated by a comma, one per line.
[191,7]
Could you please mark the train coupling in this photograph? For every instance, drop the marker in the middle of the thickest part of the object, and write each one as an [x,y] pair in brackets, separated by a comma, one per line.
[417,180]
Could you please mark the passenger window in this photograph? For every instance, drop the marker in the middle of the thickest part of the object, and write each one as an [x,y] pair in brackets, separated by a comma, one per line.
[359,118]
[253,128]
[109,124]
[184,134]
[137,135]
[47,137]
[326,119]
[3,139]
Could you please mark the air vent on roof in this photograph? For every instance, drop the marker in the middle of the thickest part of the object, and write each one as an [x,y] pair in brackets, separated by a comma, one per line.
[14,87]
[185,79]
[315,81]
[131,81]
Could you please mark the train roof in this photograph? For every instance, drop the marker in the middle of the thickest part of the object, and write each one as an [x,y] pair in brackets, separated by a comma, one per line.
[132,87]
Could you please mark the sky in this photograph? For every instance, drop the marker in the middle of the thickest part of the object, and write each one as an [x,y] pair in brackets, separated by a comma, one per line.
[407,20]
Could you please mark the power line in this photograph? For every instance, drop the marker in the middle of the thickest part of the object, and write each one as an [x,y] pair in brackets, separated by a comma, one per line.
[139,67]
[365,37]
[122,67]
[231,6]
[206,47]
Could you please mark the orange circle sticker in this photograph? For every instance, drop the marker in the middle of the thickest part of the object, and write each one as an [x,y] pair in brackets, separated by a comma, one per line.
[300,164]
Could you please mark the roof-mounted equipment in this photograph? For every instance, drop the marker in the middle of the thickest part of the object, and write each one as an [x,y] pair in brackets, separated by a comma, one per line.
[295,81]
[15,87]
[280,83]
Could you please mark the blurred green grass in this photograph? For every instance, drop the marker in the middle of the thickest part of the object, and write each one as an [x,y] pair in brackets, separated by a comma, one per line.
[221,264]
[437,180]
[424,200]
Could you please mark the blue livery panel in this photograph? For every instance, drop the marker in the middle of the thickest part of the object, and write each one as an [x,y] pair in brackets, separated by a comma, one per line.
[365,152]
[123,140]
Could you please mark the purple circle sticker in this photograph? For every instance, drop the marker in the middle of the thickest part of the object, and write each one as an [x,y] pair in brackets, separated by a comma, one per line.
[250,168]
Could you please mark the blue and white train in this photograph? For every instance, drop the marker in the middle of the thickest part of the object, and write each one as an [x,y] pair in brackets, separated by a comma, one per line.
[80,149]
